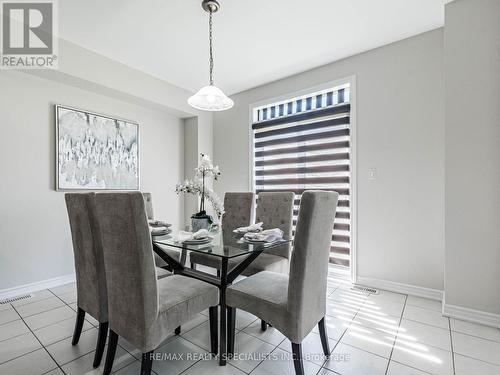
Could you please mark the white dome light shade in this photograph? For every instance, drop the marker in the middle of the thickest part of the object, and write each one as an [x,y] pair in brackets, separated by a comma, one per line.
[210,98]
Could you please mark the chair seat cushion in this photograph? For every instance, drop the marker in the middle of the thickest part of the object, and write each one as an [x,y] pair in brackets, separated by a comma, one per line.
[161,273]
[264,295]
[267,262]
[176,255]
[264,262]
[206,259]
[180,298]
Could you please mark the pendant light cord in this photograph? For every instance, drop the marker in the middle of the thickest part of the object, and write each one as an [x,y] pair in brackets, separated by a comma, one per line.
[210,38]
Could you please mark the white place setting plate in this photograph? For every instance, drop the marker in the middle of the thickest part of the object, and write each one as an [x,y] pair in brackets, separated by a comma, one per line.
[254,241]
[200,241]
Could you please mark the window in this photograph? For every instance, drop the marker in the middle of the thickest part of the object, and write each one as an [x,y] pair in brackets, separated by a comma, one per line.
[303,143]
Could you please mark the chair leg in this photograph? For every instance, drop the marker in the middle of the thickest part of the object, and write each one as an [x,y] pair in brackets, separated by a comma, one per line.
[110,356]
[214,341]
[193,265]
[80,318]
[147,363]
[263,325]
[297,359]
[178,331]
[324,337]
[101,342]
[231,324]
[218,273]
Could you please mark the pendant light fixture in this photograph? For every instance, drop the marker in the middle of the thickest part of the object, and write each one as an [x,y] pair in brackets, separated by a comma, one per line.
[210,98]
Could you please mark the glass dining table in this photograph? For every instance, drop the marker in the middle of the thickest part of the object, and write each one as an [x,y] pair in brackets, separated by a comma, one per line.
[226,246]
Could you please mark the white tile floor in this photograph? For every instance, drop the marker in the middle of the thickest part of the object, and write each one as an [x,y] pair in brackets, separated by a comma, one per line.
[388,333]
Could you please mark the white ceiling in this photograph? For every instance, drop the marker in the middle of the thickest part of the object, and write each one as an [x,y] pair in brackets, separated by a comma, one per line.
[256,41]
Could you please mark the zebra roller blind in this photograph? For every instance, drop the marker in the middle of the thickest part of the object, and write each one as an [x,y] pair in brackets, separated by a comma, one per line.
[304,144]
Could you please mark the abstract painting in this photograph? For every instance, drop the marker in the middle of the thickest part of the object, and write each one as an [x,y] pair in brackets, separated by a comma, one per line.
[95,152]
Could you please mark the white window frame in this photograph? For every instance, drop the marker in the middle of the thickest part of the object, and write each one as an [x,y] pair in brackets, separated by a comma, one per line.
[351,80]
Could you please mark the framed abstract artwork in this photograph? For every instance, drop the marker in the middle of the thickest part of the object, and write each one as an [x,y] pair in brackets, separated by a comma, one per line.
[95,152]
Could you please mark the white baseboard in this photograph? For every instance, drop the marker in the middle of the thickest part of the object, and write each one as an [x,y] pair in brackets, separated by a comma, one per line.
[471,315]
[393,286]
[34,287]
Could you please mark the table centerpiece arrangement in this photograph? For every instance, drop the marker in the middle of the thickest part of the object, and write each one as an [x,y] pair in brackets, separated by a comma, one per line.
[199,186]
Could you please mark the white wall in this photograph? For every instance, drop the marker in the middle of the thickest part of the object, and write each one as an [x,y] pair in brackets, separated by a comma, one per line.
[191,157]
[35,239]
[400,131]
[472,73]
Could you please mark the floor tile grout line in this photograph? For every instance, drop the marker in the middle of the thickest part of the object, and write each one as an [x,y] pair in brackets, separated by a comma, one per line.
[65,338]
[59,321]
[41,312]
[13,337]
[126,350]
[478,360]
[431,326]
[271,352]
[55,342]
[412,367]
[183,371]
[29,303]
[427,324]
[74,359]
[37,339]
[407,365]
[396,335]
[278,348]
[230,364]
[9,322]
[22,355]
[452,351]
[191,342]
[235,335]
[52,324]
[196,326]
[475,336]
[253,335]
[341,336]
[249,324]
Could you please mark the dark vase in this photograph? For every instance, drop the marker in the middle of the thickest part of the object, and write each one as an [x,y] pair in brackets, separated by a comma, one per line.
[201,221]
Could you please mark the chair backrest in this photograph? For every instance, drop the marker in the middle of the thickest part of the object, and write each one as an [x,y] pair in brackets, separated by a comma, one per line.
[148,201]
[310,256]
[87,250]
[275,210]
[129,262]
[238,209]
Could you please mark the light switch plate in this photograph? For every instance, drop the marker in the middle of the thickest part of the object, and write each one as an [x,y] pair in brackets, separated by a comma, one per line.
[372,173]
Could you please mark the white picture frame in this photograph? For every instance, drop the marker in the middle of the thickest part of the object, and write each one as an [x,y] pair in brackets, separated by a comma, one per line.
[95,151]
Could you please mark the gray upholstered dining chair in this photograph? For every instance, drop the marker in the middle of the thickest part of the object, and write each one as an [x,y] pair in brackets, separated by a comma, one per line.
[142,309]
[148,202]
[274,210]
[89,267]
[238,207]
[176,255]
[293,303]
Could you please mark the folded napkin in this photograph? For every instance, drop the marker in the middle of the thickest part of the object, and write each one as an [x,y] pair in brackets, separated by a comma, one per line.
[268,235]
[158,223]
[250,229]
[183,236]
